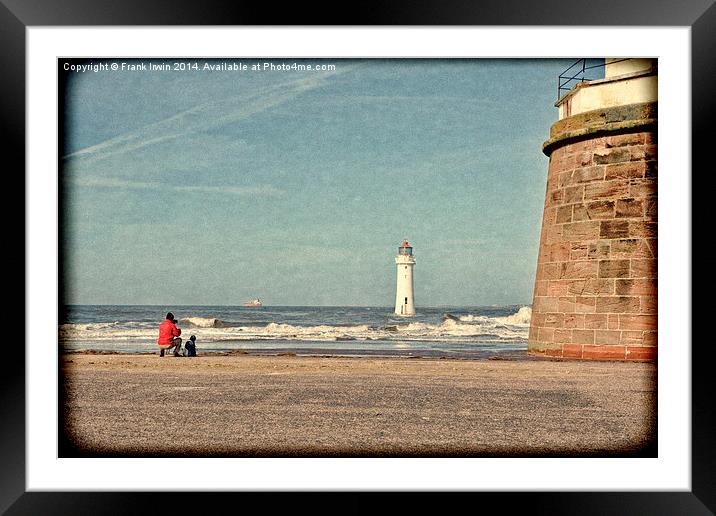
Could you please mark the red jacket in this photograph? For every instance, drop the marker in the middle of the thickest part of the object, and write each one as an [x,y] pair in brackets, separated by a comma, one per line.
[167,332]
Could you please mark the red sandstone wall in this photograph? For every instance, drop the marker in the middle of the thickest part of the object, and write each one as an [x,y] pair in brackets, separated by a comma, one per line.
[596,286]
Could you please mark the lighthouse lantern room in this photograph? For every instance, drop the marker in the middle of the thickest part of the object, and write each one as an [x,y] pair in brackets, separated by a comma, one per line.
[405,261]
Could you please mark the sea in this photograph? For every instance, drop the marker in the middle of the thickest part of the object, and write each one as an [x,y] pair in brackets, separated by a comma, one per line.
[485,332]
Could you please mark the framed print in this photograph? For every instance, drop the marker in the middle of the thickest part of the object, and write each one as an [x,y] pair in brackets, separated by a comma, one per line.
[71,117]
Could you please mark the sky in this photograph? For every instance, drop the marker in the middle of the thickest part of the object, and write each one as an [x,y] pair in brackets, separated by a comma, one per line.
[214,187]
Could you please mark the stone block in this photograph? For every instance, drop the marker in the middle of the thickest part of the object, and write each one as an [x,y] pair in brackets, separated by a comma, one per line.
[640,353]
[598,286]
[562,336]
[599,250]
[595,321]
[613,322]
[551,271]
[541,287]
[629,208]
[546,335]
[556,197]
[629,170]
[607,337]
[573,321]
[579,212]
[651,152]
[560,252]
[650,208]
[630,248]
[571,161]
[637,322]
[564,179]
[573,194]
[632,338]
[648,304]
[613,268]
[553,233]
[548,217]
[580,231]
[594,210]
[617,304]
[583,146]
[584,304]
[578,251]
[643,269]
[642,229]
[611,155]
[553,181]
[615,189]
[564,214]
[576,286]
[591,287]
[546,304]
[586,175]
[621,140]
[553,321]
[583,159]
[578,270]
[553,352]
[543,255]
[537,320]
[614,229]
[558,288]
[583,336]
[604,352]
[637,153]
[650,338]
[572,351]
[565,304]
[635,287]
[641,187]
[653,247]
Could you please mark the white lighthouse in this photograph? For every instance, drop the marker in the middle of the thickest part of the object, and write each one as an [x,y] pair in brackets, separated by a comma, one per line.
[405,260]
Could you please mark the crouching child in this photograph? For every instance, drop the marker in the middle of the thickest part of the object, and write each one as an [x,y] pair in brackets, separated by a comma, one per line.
[190,346]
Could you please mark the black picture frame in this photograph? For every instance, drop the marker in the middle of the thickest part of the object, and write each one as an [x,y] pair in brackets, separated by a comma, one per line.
[700,15]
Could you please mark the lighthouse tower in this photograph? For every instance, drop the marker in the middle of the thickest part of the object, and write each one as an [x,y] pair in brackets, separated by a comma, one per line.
[405,260]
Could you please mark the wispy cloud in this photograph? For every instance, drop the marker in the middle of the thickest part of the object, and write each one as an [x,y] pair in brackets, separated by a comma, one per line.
[254,191]
[111,182]
[203,117]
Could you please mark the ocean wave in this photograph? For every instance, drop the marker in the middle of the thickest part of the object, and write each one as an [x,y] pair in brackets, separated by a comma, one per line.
[511,328]
[202,322]
[72,329]
[519,318]
[522,317]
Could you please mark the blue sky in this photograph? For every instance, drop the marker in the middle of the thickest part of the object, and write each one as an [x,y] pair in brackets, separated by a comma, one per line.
[200,187]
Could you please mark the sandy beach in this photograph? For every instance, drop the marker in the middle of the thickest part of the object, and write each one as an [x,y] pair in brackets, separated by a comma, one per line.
[252,405]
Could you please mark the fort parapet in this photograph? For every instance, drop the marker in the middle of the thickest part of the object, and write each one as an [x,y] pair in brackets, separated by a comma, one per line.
[595,293]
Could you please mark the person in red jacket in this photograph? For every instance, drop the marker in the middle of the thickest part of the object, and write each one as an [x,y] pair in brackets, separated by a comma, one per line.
[169,336]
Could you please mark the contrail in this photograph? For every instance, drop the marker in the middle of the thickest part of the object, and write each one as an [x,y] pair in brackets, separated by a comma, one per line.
[202,117]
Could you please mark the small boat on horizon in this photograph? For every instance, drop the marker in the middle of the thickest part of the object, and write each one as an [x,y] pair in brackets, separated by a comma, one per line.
[256,303]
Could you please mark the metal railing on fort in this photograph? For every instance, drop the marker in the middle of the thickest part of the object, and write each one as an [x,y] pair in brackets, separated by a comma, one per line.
[580,71]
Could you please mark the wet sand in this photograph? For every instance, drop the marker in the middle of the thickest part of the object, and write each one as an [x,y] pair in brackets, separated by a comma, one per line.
[278,406]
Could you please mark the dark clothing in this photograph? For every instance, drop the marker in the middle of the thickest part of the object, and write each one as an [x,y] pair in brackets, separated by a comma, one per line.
[190,348]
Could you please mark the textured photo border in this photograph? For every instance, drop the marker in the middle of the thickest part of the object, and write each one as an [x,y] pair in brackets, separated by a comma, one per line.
[700,16]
